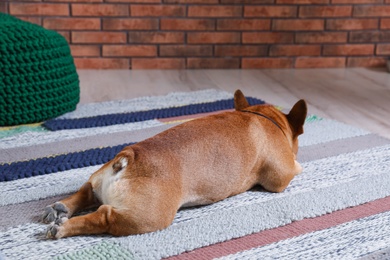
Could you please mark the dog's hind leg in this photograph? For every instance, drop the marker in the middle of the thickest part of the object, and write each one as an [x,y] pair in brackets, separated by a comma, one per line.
[107,219]
[98,222]
[65,208]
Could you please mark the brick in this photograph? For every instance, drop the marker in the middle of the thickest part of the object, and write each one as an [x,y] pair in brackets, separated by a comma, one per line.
[348,50]
[246,1]
[240,50]
[357,1]
[39,9]
[65,34]
[190,1]
[101,63]
[385,24]
[373,62]
[72,23]
[31,19]
[100,10]
[297,25]
[325,11]
[383,49]
[135,1]
[187,24]
[130,24]
[303,2]
[320,62]
[129,51]
[369,36]
[156,37]
[98,37]
[372,11]
[351,24]
[213,63]
[158,63]
[213,37]
[214,11]
[321,37]
[185,50]
[85,50]
[157,10]
[74,1]
[4,7]
[266,63]
[295,50]
[243,24]
[270,11]
[267,37]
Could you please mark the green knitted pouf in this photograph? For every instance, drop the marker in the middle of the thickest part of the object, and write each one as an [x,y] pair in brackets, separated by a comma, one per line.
[38,78]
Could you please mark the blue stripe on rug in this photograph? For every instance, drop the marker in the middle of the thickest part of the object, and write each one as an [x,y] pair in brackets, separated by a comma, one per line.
[63,162]
[122,118]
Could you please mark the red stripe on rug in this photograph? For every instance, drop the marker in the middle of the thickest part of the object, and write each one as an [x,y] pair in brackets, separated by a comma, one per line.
[288,231]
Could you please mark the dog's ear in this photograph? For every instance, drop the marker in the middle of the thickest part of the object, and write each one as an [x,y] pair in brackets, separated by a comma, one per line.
[297,117]
[240,101]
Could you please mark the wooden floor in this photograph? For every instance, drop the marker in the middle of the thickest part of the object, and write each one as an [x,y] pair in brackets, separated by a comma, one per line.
[358,96]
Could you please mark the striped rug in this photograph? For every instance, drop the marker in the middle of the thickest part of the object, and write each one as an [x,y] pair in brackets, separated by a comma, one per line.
[338,208]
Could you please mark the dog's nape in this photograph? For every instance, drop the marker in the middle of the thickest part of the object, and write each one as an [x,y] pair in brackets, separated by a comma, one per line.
[296,117]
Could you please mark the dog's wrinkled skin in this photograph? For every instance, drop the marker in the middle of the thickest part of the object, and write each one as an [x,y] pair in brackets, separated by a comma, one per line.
[196,163]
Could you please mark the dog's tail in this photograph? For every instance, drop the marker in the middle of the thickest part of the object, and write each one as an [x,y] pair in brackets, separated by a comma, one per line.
[122,159]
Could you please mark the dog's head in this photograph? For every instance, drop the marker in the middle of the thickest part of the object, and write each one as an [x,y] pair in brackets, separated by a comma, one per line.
[291,124]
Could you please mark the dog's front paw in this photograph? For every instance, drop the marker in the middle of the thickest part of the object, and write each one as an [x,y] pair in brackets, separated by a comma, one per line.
[54,231]
[298,168]
[54,212]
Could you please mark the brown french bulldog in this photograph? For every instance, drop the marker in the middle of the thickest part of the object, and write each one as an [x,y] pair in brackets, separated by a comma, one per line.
[196,163]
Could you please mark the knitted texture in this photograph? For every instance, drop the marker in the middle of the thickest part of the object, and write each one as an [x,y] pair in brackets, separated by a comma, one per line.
[131,117]
[63,162]
[38,78]
[343,167]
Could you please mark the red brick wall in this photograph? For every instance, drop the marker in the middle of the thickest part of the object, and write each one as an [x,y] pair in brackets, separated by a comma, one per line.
[226,34]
